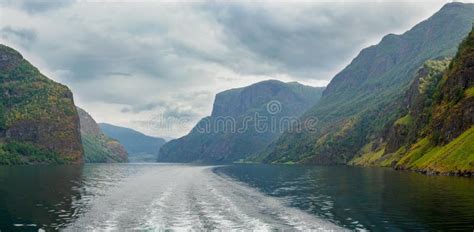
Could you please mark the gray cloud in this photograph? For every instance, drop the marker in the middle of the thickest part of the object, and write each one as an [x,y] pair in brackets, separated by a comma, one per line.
[145,107]
[180,114]
[22,36]
[128,62]
[169,109]
[117,74]
[38,6]
[312,38]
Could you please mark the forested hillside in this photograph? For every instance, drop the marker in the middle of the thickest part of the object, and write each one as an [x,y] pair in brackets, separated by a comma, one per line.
[436,133]
[360,102]
[38,119]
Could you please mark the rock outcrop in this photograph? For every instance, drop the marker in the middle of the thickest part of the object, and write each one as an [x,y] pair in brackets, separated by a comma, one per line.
[98,148]
[436,132]
[38,120]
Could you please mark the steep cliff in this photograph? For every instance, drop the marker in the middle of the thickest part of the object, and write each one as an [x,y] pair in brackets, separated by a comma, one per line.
[358,103]
[436,135]
[243,122]
[38,119]
[98,148]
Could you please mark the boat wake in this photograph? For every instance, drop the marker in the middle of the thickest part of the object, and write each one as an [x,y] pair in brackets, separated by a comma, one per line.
[181,197]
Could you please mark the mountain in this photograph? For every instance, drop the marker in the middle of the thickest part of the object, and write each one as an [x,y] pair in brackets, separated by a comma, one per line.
[358,103]
[98,148]
[38,119]
[140,147]
[436,132]
[243,122]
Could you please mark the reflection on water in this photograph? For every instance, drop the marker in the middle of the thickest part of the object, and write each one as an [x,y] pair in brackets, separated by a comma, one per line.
[369,198]
[78,197]
[33,195]
[50,197]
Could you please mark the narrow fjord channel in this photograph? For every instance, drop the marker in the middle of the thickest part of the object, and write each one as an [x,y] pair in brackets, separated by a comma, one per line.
[262,197]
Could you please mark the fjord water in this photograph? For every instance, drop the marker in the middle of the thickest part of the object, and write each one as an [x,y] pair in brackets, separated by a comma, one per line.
[265,197]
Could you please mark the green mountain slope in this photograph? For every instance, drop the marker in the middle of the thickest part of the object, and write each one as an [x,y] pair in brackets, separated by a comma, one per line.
[38,119]
[140,147]
[98,148]
[243,122]
[436,134]
[358,104]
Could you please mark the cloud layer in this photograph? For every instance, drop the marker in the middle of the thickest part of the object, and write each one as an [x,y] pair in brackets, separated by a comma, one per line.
[156,66]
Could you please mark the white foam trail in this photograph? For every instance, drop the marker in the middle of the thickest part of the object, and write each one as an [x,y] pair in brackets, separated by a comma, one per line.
[183,198]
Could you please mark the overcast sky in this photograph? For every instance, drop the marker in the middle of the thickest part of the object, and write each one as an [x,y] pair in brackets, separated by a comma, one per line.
[156,66]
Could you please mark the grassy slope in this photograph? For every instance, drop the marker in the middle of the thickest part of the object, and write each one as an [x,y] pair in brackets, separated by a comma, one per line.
[427,154]
[456,156]
[96,151]
[356,106]
[98,148]
[469,92]
[14,152]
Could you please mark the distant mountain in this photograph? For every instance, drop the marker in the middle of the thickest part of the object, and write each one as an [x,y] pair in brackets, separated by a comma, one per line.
[38,119]
[98,148]
[360,102]
[243,122]
[139,146]
[435,133]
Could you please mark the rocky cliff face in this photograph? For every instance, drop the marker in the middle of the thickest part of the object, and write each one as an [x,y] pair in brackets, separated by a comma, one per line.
[416,106]
[243,122]
[38,122]
[436,132]
[454,114]
[359,102]
[236,101]
[98,148]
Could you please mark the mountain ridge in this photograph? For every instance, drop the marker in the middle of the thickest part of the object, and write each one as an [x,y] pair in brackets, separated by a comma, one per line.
[357,104]
[139,146]
[221,142]
[436,133]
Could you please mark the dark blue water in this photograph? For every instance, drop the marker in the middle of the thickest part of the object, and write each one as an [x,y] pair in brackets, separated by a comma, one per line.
[367,198]
[264,197]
